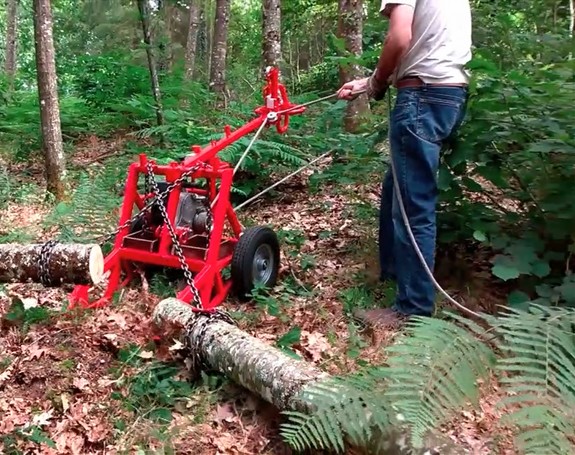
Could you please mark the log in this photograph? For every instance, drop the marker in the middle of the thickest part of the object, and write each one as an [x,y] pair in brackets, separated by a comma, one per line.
[66,263]
[248,361]
[269,373]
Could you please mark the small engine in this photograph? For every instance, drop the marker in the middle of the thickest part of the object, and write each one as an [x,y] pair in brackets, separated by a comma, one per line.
[193,213]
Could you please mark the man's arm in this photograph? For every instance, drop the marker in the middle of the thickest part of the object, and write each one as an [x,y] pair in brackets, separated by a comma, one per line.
[398,38]
[397,41]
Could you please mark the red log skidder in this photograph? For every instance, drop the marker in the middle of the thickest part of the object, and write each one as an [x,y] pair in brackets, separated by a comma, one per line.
[181,221]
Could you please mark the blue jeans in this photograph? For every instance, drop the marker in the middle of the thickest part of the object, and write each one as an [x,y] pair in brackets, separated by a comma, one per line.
[422,121]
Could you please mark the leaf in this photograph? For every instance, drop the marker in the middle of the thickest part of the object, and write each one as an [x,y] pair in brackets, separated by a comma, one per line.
[505,272]
[541,269]
[162,415]
[146,355]
[290,338]
[568,292]
[518,299]
[479,236]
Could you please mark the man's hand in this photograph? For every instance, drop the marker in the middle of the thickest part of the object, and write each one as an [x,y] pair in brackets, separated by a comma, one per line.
[370,85]
[352,89]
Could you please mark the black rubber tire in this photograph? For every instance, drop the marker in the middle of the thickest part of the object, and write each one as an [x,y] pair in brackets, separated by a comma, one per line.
[243,258]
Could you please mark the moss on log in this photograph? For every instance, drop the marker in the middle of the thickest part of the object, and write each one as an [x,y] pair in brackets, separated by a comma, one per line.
[65,264]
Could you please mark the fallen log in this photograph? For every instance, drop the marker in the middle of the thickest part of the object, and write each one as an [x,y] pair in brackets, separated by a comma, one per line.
[271,374]
[62,263]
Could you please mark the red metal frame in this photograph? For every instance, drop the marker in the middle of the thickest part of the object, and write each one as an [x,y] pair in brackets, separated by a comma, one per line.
[212,252]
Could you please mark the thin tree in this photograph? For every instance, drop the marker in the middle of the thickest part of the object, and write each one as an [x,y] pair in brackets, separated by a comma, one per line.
[143,7]
[350,28]
[11,40]
[192,39]
[220,47]
[271,28]
[54,161]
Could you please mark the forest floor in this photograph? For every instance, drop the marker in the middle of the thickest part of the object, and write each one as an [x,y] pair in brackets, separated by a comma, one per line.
[93,382]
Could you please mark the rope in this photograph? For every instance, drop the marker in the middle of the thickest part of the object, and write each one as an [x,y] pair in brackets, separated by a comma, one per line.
[410,232]
[246,151]
[395,183]
[261,193]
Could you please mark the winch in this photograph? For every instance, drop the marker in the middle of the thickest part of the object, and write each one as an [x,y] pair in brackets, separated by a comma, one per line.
[184,219]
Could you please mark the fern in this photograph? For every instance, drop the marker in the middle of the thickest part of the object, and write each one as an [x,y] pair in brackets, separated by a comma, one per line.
[538,371]
[344,411]
[432,372]
[93,210]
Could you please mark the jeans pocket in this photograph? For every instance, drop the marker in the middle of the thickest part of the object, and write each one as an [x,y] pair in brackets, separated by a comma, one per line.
[438,116]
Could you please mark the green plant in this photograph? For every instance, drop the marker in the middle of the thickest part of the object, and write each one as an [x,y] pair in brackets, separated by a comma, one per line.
[434,370]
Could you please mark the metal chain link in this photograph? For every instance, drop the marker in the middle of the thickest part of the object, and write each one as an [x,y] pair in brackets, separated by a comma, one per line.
[192,347]
[43,261]
[177,247]
[150,204]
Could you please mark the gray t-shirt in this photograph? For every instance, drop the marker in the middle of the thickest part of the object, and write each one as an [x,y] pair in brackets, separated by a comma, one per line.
[441,41]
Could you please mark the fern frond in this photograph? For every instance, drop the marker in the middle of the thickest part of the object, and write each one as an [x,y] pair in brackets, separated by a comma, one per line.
[538,372]
[344,410]
[433,372]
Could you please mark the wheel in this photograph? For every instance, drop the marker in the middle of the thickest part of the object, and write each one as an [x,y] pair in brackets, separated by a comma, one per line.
[255,261]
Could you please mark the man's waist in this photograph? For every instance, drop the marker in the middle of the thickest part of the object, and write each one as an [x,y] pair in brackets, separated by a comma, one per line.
[416,81]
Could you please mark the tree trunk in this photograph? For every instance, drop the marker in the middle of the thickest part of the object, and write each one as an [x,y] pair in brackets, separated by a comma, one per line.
[271,11]
[572,18]
[192,40]
[64,263]
[350,28]
[267,372]
[55,167]
[11,41]
[144,20]
[219,47]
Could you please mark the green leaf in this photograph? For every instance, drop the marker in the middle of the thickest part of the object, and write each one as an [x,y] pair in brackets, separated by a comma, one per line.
[505,272]
[444,179]
[290,338]
[479,236]
[517,299]
[541,269]
[568,292]
[162,415]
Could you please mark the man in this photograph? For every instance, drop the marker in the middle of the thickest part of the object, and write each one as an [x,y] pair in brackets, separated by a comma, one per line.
[424,54]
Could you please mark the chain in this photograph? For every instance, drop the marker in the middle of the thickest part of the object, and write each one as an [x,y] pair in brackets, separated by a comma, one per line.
[158,196]
[43,261]
[192,346]
[173,236]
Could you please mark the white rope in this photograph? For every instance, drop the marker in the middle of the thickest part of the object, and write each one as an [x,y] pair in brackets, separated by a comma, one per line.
[261,193]
[246,151]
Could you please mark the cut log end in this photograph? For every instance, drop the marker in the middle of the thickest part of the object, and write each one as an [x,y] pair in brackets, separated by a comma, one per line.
[96,264]
[63,263]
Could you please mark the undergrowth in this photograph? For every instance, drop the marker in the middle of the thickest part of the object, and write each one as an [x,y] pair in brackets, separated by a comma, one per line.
[437,368]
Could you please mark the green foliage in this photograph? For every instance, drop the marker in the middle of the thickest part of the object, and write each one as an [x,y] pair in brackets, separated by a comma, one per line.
[433,371]
[155,390]
[93,209]
[538,373]
[23,317]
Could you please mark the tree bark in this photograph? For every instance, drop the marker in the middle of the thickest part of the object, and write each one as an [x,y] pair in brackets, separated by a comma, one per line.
[155,82]
[219,47]
[66,263]
[350,28]
[192,40]
[271,10]
[55,167]
[11,41]
[260,368]
[572,18]
[269,373]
